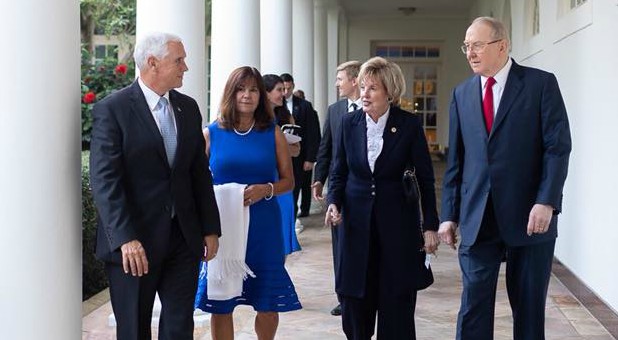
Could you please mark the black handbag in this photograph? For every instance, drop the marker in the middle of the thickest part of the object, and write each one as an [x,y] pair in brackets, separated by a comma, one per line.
[412,195]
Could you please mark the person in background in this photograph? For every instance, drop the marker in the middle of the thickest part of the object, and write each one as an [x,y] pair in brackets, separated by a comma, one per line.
[245,146]
[153,191]
[347,86]
[305,117]
[380,237]
[274,90]
[300,94]
[509,146]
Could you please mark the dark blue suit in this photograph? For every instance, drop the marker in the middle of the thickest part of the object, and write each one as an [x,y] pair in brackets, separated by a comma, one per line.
[380,236]
[136,192]
[490,185]
[305,117]
[328,152]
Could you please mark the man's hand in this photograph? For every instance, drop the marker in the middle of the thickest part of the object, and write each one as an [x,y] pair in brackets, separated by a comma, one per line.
[134,258]
[431,241]
[316,189]
[308,166]
[448,234]
[333,217]
[211,245]
[539,219]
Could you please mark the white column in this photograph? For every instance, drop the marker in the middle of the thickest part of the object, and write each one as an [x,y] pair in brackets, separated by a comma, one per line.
[276,36]
[332,56]
[187,20]
[235,42]
[321,85]
[40,194]
[302,46]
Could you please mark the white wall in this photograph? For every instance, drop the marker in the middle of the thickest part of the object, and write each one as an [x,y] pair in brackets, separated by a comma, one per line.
[580,48]
[450,31]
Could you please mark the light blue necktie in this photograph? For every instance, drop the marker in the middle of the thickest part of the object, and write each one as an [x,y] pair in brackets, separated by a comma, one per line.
[168,132]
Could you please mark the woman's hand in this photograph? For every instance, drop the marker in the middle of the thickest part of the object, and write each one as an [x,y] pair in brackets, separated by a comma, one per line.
[333,217]
[431,241]
[255,192]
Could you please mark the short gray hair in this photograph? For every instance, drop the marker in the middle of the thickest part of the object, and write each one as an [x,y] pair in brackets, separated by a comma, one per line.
[388,73]
[498,30]
[153,44]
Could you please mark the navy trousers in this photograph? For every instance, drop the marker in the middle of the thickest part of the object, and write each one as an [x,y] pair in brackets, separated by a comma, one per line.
[528,271]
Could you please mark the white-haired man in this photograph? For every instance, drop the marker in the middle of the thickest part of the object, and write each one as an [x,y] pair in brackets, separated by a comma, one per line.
[153,193]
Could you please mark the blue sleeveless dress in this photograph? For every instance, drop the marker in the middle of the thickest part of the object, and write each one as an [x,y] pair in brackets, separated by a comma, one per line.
[251,159]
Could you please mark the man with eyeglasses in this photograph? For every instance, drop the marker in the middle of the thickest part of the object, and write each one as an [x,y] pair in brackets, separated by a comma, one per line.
[509,146]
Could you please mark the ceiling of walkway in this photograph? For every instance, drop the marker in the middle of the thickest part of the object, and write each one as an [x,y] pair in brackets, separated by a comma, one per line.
[402,8]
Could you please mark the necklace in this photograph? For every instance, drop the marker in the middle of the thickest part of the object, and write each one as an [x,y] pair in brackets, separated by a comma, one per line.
[246,132]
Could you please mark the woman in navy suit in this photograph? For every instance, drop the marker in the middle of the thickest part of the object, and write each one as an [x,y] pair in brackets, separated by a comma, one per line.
[380,237]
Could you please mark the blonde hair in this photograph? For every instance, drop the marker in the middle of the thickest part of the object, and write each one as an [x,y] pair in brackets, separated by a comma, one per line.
[351,68]
[388,73]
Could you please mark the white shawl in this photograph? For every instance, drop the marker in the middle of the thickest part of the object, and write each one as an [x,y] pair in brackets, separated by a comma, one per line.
[228,269]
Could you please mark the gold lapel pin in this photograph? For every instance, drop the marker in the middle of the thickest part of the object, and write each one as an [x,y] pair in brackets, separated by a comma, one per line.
[393,129]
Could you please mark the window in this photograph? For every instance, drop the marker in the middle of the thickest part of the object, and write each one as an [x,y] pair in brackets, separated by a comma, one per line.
[398,51]
[102,52]
[577,3]
[419,62]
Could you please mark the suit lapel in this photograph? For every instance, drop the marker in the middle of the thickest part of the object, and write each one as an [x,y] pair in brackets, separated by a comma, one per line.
[391,134]
[359,139]
[141,109]
[474,108]
[511,91]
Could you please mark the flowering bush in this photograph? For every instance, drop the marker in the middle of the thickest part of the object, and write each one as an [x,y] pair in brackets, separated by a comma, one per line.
[99,80]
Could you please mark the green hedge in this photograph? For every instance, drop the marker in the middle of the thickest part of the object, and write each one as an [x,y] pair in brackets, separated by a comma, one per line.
[93,273]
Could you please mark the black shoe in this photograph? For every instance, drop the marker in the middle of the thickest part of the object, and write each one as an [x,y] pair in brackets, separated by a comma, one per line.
[336,311]
[303,214]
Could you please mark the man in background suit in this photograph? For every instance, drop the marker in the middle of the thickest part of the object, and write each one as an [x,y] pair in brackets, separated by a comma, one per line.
[509,146]
[153,193]
[347,86]
[305,117]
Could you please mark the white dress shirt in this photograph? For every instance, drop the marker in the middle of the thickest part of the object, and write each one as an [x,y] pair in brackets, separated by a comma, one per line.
[375,142]
[152,98]
[498,87]
[358,102]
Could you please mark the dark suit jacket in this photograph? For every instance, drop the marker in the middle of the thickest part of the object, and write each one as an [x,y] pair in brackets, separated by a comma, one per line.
[330,133]
[306,117]
[523,161]
[134,187]
[359,193]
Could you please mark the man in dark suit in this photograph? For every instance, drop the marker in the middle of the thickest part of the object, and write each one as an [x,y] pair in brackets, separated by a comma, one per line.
[305,117]
[153,192]
[509,146]
[347,86]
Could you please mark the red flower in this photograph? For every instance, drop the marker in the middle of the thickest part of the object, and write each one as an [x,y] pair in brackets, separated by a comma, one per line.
[121,69]
[89,97]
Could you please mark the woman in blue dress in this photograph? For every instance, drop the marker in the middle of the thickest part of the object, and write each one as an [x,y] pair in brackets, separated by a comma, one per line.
[274,89]
[245,146]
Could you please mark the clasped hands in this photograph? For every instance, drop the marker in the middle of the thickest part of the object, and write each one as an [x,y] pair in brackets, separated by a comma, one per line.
[431,240]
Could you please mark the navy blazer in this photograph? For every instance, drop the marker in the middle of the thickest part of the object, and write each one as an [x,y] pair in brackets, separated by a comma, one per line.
[359,194]
[328,150]
[523,160]
[133,186]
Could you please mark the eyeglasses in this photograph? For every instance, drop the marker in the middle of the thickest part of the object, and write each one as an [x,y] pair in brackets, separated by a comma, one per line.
[477,47]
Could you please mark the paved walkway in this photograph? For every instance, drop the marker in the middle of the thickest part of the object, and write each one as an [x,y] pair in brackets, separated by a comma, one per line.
[312,273]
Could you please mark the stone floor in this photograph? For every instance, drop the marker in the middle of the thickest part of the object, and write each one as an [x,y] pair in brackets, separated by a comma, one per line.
[311,271]
[437,306]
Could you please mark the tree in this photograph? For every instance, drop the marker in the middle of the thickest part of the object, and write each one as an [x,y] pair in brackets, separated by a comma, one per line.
[109,17]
